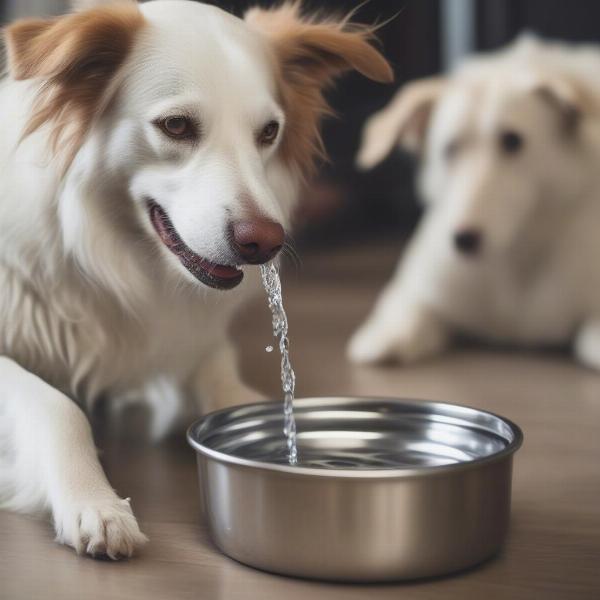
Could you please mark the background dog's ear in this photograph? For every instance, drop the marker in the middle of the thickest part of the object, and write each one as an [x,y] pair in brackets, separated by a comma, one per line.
[310,52]
[75,57]
[567,99]
[403,122]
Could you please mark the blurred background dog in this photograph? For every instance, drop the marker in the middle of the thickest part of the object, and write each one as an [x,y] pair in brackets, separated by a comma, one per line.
[507,251]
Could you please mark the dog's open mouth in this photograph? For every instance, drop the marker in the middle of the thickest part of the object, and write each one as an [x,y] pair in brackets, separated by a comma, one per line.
[222,277]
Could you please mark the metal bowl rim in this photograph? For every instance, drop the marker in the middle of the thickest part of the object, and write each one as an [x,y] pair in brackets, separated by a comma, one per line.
[230,459]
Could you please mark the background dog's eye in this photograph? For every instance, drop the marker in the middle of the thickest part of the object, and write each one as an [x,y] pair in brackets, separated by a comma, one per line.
[178,127]
[269,133]
[452,149]
[511,142]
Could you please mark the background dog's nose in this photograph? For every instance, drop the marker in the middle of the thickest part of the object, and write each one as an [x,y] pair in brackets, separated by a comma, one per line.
[468,241]
[257,241]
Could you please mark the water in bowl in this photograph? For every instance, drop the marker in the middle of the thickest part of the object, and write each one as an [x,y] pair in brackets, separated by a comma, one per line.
[272,285]
[368,433]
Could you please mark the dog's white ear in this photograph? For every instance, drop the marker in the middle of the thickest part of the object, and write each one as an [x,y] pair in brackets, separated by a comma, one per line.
[309,53]
[75,57]
[403,122]
[526,44]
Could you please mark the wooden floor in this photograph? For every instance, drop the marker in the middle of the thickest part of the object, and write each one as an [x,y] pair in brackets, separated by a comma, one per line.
[553,551]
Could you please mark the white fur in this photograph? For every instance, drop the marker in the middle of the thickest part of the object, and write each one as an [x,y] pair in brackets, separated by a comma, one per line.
[536,281]
[91,303]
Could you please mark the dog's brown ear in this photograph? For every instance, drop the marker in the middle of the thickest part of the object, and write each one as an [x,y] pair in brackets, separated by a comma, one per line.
[567,99]
[404,121]
[310,52]
[75,58]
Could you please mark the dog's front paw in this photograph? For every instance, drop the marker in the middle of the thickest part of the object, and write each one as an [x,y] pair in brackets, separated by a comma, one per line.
[367,345]
[106,528]
[587,344]
[406,342]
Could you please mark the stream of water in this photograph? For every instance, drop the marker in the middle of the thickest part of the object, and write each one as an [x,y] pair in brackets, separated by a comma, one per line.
[272,285]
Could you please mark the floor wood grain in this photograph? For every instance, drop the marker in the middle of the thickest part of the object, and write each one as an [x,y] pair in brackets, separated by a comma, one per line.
[553,551]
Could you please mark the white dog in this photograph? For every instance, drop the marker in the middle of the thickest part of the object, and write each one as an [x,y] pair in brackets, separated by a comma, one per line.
[509,247]
[147,153]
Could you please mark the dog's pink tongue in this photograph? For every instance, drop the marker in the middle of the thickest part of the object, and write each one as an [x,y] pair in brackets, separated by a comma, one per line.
[222,271]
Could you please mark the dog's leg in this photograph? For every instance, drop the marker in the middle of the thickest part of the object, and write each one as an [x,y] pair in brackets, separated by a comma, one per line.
[587,343]
[49,461]
[217,382]
[399,329]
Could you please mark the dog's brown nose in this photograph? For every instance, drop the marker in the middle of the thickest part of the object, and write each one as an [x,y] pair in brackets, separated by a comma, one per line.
[257,241]
[468,241]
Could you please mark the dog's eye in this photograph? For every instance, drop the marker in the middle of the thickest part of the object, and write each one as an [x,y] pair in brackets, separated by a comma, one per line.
[452,149]
[269,133]
[178,128]
[511,142]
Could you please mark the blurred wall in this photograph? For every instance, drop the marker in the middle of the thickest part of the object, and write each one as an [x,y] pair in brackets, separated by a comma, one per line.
[22,8]
[499,21]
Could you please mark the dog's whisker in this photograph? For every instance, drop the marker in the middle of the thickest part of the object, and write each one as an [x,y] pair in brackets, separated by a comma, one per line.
[290,252]
[290,247]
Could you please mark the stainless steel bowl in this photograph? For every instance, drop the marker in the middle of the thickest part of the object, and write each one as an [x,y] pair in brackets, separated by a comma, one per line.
[384,490]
